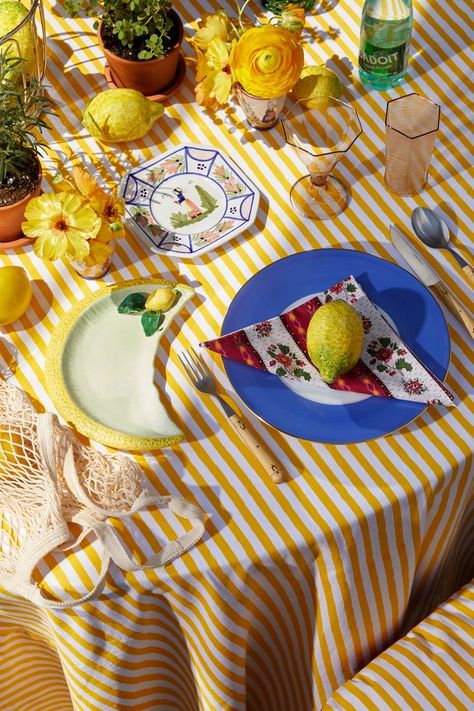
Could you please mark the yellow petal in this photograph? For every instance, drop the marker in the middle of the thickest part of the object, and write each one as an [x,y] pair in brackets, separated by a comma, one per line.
[217,55]
[106,234]
[50,246]
[215,27]
[204,91]
[99,252]
[44,207]
[222,87]
[201,66]
[77,246]
[84,182]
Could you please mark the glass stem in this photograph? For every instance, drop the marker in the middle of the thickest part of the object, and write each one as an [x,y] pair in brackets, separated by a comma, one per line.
[318,179]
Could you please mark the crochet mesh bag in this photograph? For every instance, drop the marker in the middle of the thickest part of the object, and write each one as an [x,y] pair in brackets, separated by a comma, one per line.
[48,479]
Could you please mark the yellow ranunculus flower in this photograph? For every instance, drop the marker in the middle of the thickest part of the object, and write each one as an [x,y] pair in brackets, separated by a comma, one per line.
[267,61]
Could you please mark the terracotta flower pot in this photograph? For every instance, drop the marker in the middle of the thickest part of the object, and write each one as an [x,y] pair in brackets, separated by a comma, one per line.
[11,217]
[150,76]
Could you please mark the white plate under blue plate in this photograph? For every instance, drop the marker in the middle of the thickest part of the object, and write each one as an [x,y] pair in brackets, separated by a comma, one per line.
[188,201]
[348,417]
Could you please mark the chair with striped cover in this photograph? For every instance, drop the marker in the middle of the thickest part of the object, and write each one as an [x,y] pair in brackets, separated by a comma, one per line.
[429,669]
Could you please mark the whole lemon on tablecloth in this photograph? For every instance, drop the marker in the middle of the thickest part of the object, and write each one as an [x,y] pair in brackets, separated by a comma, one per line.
[15,294]
[120,115]
[334,339]
[12,13]
[316,85]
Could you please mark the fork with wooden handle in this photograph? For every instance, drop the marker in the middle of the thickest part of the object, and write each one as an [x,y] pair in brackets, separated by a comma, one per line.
[200,376]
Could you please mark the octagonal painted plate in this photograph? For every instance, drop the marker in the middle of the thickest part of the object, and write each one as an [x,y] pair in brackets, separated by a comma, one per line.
[188,201]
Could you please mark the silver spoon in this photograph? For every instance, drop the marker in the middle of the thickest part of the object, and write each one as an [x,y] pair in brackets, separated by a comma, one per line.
[434,232]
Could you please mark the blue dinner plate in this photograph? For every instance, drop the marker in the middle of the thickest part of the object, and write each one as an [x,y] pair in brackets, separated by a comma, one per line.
[412,308]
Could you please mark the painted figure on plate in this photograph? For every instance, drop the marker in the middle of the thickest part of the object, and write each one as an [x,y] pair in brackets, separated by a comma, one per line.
[192,208]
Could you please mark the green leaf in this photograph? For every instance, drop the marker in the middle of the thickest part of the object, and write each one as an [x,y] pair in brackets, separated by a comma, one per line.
[350,288]
[280,371]
[385,342]
[300,373]
[132,304]
[381,368]
[284,349]
[401,364]
[151,321]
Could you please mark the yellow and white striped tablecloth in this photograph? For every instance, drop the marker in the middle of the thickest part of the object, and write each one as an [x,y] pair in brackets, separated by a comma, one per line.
[430,669]
[296,587]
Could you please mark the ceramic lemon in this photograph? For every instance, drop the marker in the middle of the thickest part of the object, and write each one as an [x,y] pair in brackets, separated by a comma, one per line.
[120,115]
[100,369]
[334,339]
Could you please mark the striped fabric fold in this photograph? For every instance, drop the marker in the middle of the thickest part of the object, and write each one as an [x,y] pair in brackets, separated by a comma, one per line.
[294,586]
[430,669]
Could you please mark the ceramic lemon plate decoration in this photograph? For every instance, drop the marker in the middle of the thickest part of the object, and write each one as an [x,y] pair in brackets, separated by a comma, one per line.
[100,364]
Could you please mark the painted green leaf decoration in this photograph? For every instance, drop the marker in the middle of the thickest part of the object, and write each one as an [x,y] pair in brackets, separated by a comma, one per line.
[132,304]
[151,321]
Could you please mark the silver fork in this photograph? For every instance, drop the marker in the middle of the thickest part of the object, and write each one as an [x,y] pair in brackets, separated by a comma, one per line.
[200,376]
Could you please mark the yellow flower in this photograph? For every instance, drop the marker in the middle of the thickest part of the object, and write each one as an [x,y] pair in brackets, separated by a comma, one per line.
[216,26]
[109,207]
[214,69]
[267,61]
[86,183]
[98,252]
[60,225]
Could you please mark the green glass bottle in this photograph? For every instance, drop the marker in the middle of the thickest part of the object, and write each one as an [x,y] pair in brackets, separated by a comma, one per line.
[385,42]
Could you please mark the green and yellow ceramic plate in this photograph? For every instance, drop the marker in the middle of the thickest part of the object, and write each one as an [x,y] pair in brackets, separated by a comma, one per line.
[100,368]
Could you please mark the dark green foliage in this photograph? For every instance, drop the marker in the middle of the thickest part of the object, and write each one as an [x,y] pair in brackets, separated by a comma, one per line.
[138,24]
[21,112]
[277,6]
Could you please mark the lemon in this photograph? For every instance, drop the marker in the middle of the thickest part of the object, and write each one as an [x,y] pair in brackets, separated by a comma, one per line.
[334,339]
[161,300]
[120,115]
[12,13]
[15,294]
[316,85]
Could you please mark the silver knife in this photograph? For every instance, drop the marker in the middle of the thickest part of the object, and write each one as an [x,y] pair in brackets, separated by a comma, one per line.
[427,276]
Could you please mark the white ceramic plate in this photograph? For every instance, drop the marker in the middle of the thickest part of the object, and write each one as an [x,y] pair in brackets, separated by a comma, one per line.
[188,201]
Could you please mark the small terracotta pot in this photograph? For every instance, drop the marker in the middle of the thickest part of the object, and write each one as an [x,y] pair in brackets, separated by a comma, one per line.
[11,217]
[149,76]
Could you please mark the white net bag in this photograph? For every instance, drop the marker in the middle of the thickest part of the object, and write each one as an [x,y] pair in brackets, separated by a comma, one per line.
[48,479]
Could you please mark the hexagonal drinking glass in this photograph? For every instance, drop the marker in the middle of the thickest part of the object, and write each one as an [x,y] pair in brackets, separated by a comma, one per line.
[319,136]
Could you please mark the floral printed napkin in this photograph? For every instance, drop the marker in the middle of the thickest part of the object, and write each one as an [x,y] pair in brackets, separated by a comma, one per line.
[387,367]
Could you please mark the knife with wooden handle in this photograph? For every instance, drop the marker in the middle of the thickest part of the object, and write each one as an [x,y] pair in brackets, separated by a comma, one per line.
[428,277]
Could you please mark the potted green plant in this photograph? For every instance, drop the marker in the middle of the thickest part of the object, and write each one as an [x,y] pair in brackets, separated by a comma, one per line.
[140,39]
[22,108]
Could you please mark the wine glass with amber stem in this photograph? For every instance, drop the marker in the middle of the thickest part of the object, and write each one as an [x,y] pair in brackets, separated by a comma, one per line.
[320,132]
